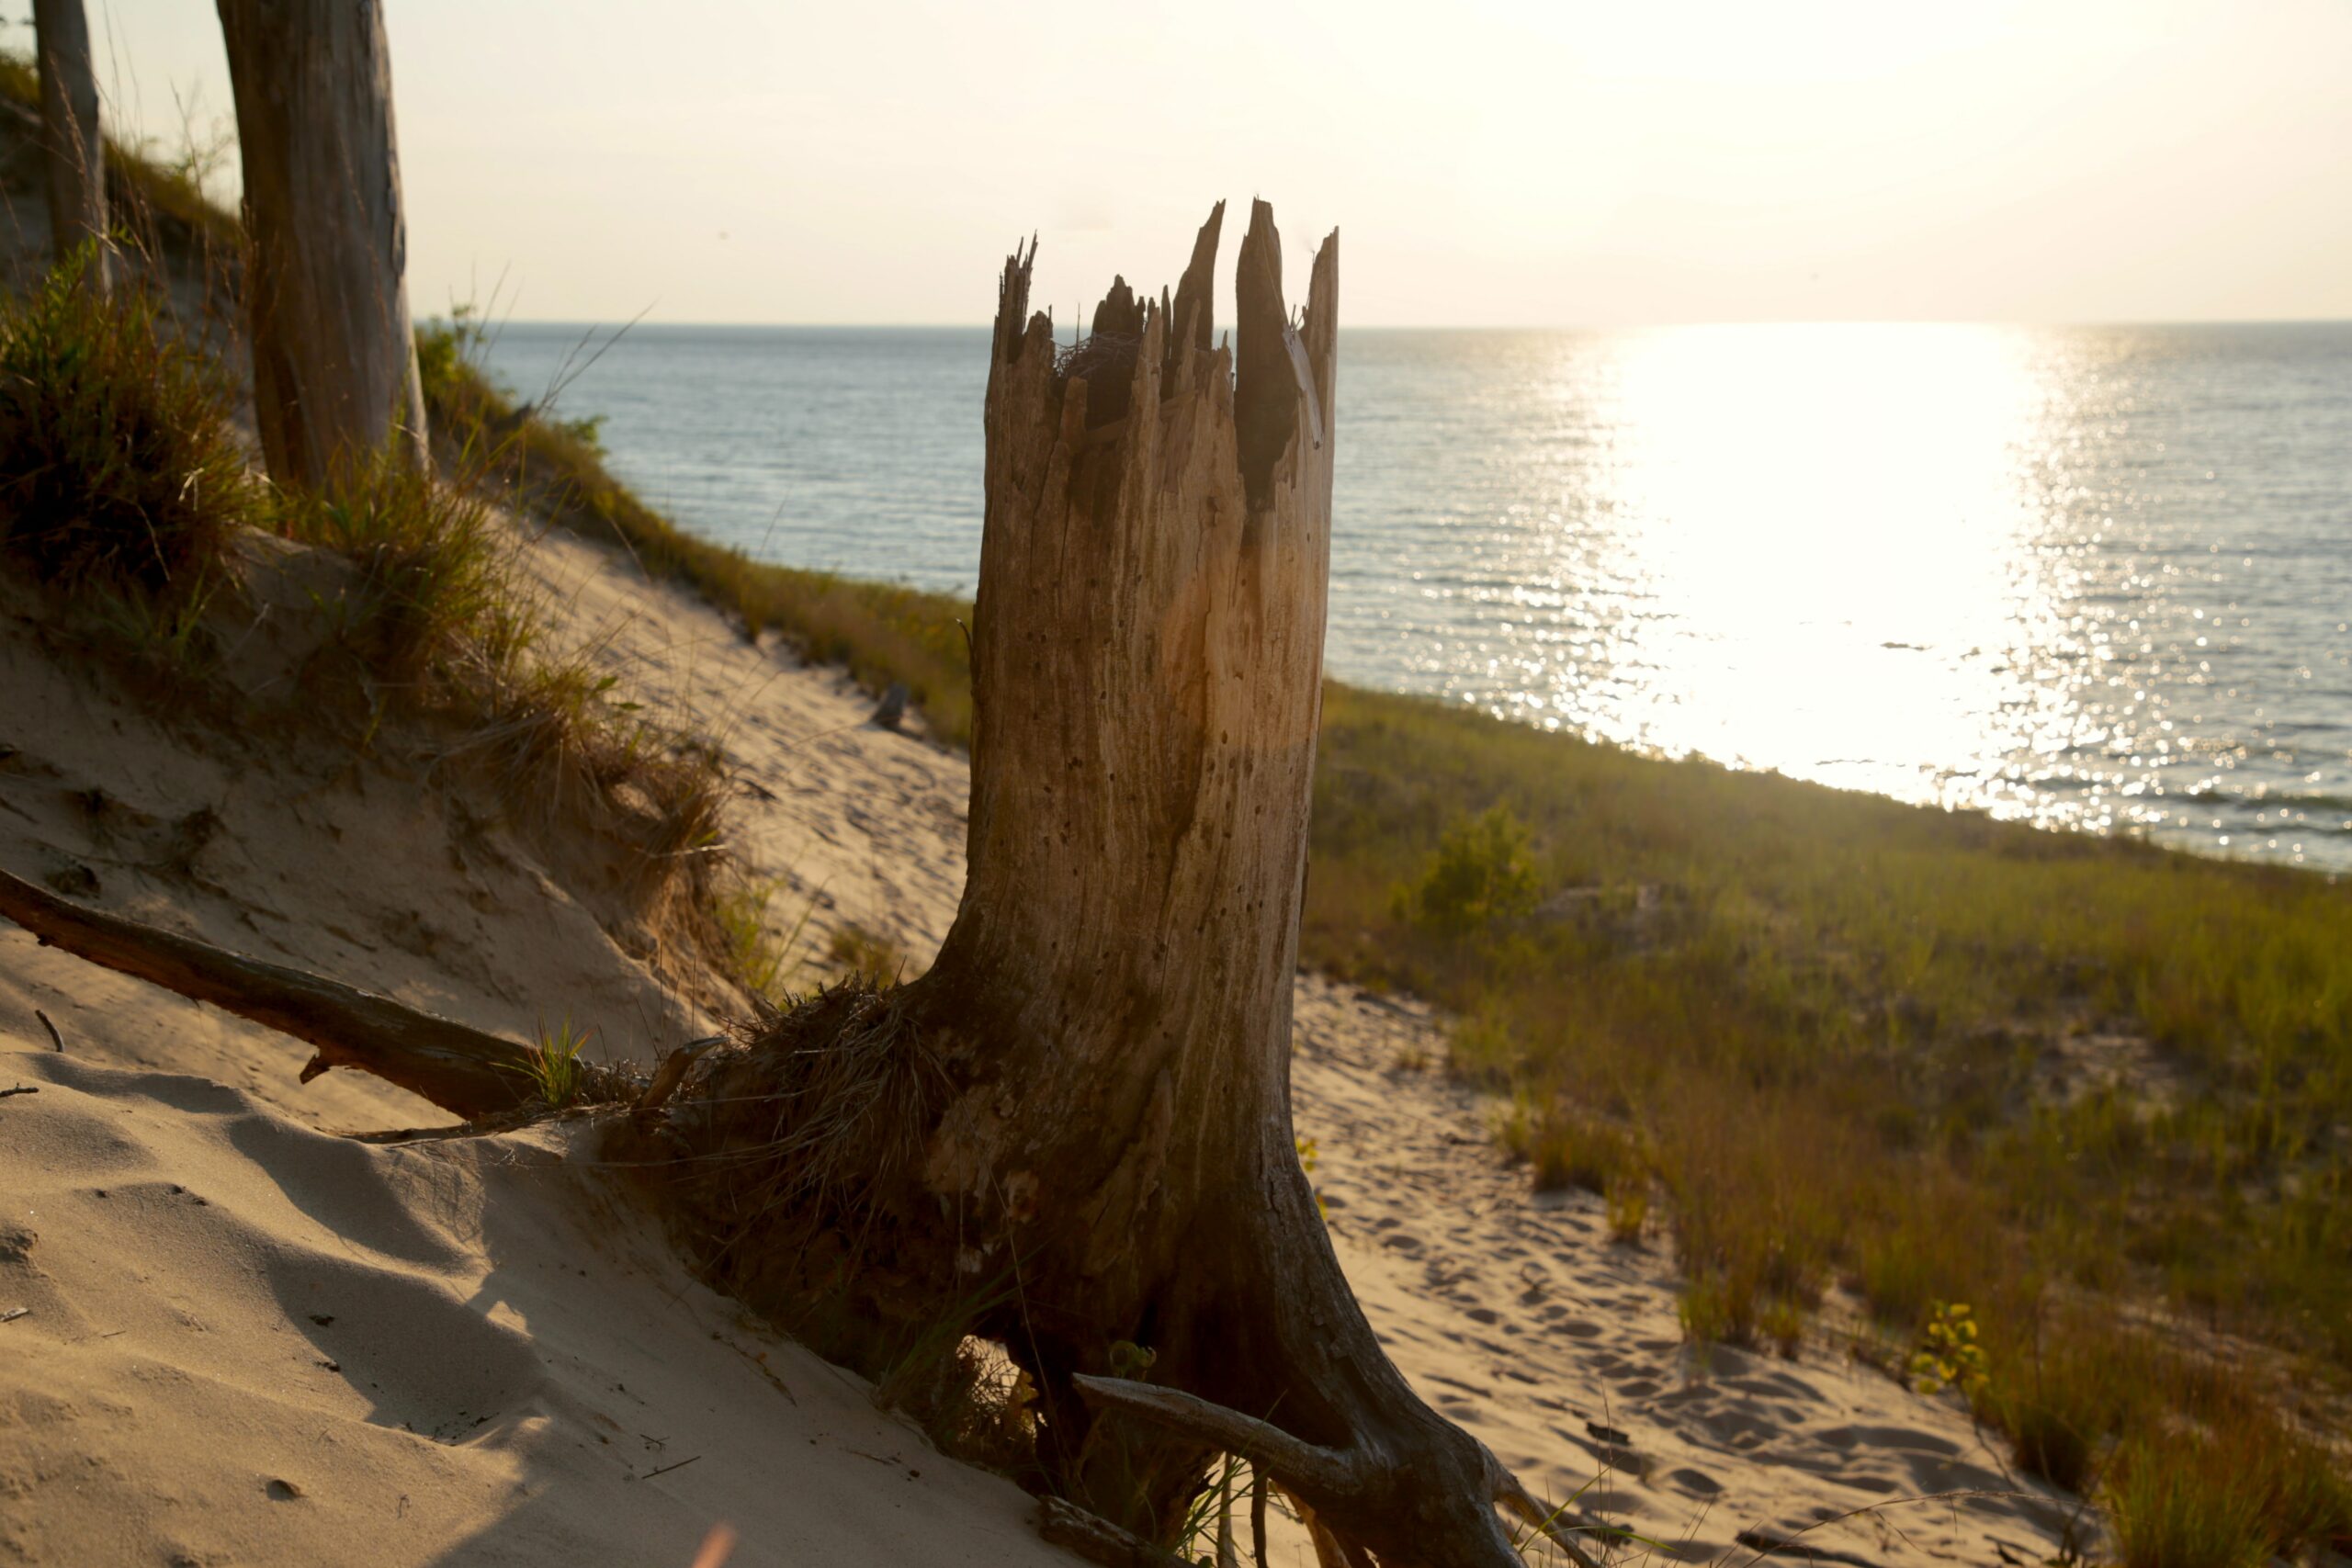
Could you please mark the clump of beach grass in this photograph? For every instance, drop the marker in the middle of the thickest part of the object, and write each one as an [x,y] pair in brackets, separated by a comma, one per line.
[553,1064]
[434,606]
[118,466]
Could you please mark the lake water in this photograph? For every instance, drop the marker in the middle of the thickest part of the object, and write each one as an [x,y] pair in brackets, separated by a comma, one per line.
[2098,577]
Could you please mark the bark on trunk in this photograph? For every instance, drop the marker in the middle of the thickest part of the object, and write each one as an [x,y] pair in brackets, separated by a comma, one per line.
[334,358]
[72,151]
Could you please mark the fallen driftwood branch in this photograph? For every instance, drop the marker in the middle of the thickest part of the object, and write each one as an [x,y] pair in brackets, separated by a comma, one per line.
[54,1037]
[461,1069]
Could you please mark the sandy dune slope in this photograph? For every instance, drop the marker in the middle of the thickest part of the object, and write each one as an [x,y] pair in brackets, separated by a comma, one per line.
[251,1341]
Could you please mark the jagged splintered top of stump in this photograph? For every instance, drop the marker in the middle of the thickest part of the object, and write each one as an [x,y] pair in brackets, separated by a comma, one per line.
[1281,374]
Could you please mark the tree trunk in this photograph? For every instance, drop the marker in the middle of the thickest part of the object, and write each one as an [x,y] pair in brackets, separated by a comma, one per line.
[73,150]
[334,358]
[1115,997]
[1147,668]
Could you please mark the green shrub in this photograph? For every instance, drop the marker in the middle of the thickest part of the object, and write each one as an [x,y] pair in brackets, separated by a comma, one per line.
[1482,873]
[118,463]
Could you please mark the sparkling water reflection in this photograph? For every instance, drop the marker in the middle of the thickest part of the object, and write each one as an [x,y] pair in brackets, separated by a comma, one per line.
[2098,577]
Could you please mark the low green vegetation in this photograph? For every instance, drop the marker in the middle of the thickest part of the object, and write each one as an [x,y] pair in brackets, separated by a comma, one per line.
[2100,1091]
[554,1067]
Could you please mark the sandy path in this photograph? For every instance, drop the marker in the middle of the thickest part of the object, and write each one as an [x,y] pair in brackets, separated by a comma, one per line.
[1518,1317]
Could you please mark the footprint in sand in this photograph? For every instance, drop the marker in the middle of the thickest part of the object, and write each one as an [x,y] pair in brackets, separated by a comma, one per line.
[1696,1482]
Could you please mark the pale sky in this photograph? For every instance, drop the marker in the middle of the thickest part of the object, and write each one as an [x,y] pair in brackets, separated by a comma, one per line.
[1489,161]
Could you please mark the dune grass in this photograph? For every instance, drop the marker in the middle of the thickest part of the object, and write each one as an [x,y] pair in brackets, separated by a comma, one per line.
[118,468]
[124,490]
[1799,993]
[1850,1038]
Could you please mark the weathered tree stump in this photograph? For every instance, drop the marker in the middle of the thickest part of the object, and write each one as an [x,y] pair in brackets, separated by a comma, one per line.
[1086,1098]
[326,284]
[72,151]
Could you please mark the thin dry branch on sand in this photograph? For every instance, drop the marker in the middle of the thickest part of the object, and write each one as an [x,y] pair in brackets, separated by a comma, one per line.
[461,1069]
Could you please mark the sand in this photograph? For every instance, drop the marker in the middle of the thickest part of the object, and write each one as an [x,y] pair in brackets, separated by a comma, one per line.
[253,1340]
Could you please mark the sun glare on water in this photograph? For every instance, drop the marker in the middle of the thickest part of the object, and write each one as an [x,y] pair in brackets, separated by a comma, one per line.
[1802,590]
[1967,565]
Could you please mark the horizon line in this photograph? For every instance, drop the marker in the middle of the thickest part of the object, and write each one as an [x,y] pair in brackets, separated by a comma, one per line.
[646,321]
